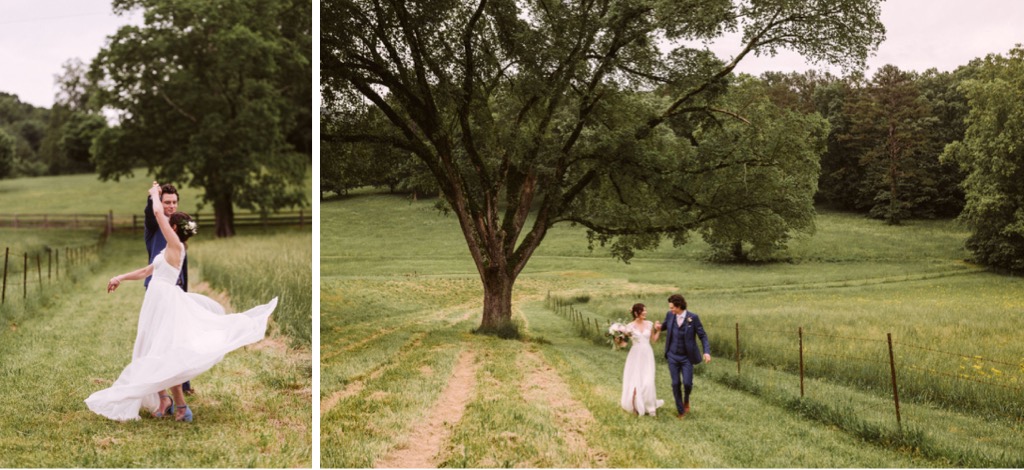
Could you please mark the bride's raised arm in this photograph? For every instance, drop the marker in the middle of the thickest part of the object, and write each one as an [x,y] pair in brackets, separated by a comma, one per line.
[656,331]
[173,253]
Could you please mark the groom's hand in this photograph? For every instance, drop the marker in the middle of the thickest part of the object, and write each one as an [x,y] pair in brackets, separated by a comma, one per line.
[707,358]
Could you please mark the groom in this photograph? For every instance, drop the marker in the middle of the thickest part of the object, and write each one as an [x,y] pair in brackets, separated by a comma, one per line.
[155,241]
[681,351]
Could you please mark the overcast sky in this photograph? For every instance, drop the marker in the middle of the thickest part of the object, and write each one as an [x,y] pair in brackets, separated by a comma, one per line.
[37,36]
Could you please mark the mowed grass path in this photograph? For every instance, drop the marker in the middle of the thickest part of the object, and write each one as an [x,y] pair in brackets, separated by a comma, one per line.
[252,410]
[399,295]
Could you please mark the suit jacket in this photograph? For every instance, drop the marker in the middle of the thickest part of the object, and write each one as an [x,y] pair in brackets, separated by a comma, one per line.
[155,242]
[691,330]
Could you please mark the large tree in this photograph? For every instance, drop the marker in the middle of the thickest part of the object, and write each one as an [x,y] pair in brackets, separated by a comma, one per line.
[585,111]
[777,151]
[211,94]
[992,153]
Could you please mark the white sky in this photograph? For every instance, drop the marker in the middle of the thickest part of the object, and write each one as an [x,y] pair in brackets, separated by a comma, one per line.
[920,34]
[37,36]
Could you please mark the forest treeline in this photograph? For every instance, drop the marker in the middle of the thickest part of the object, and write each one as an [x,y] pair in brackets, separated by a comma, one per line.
[886,134]
[36,141]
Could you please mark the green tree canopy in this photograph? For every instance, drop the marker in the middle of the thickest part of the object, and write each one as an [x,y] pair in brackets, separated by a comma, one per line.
[992,153]
[211,94]
[6,154]
[764,191]
[520,105]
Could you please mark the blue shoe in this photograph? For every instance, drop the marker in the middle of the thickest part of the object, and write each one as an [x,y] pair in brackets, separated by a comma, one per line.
[187,417]
[167,411]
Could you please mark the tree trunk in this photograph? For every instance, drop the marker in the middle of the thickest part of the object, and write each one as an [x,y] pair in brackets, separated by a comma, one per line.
[497,301]
[224,217]
[737,251]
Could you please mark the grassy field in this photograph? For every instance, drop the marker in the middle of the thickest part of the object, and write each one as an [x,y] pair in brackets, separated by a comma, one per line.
[86,194]
[69,339]
[399,296]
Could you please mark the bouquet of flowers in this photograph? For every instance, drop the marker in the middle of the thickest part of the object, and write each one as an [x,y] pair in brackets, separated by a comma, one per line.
[618,334]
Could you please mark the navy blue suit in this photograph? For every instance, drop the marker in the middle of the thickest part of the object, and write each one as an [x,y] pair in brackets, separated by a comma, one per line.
[682,353]
[155,243]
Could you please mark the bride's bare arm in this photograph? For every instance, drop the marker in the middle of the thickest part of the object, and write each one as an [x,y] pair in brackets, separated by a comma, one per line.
[173,253]
[140,273]
[656,333]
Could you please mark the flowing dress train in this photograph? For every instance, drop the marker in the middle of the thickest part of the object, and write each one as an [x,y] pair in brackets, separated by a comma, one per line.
[638,393]
[180,336]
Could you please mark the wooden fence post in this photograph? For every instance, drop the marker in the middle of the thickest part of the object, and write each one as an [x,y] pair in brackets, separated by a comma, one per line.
[49,265]
[737,348]
[24,280]
[56,263]
[800,331]
[895,389]
[39,271]
[3,296]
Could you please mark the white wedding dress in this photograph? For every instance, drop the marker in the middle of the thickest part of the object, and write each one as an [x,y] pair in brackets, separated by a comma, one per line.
[180,336]
[638,392]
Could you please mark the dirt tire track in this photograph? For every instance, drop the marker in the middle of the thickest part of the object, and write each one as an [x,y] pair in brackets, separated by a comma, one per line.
[443,314]
[543,384]
[426,440]
[356,386]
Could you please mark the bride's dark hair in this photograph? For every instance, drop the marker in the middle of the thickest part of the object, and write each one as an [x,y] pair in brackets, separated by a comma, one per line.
[183,225]
[637,309]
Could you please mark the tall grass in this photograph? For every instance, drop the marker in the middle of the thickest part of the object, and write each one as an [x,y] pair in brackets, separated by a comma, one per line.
[254,269]
[938,354]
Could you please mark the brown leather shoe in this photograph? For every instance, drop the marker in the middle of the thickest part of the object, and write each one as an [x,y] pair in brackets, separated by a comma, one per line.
[686,409]
[680,415]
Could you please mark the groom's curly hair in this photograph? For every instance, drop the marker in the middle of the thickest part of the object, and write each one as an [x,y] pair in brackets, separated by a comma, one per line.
[183,225]
[678,301]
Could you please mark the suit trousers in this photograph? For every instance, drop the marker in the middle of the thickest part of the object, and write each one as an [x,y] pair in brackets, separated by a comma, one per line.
[680,366]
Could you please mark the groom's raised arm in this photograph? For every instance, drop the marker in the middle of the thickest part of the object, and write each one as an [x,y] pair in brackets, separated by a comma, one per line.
[149,225]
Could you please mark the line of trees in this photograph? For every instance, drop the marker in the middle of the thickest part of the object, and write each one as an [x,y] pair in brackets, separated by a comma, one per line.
[38,141]
[880,155]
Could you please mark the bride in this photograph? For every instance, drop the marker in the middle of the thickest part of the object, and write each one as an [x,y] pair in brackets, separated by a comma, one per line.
[180,335]
[638,394]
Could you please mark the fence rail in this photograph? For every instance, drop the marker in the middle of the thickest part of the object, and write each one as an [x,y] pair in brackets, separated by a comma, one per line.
[135,222]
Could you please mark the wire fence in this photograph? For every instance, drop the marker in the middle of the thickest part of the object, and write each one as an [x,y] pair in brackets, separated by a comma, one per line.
[32,272]
[926,373]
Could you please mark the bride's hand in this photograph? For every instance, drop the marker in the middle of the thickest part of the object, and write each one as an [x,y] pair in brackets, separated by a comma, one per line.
[112,285]
[657,325]
[154,191]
